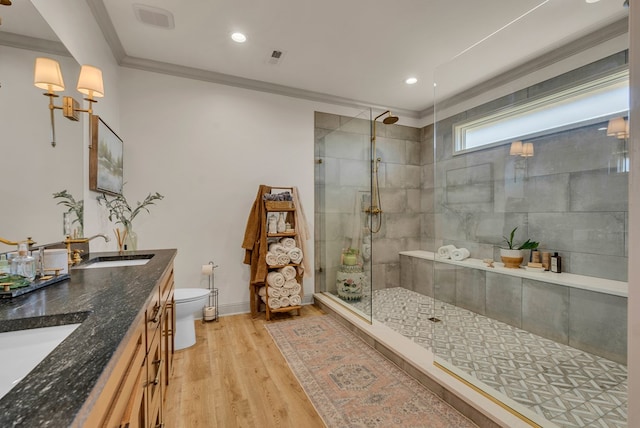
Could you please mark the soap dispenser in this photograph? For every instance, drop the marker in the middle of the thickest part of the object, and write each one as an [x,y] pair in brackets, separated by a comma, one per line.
[24,264]
[4,264]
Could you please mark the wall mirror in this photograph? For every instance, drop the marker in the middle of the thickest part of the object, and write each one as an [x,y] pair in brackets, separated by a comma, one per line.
[32,169]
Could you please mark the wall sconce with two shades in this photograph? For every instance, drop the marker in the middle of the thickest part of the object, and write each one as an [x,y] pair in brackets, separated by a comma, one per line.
[518,148]
[47,76]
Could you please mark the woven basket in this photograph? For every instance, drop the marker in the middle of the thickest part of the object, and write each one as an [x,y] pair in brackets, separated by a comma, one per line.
[278,205]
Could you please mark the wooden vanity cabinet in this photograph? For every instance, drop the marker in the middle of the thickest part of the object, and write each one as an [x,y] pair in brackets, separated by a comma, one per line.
[134,393]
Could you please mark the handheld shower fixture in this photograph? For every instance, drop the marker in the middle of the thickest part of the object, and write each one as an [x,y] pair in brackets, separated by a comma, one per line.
[375,208]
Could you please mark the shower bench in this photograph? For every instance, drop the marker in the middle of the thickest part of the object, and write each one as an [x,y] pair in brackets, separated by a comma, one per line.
[584,312]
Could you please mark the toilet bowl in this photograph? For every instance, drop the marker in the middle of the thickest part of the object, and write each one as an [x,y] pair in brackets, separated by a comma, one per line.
[189,303]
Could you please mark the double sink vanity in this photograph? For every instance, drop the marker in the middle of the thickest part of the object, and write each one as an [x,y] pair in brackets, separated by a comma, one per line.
[110,326]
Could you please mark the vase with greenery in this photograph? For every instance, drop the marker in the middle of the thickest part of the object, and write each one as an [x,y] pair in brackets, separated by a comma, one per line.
[73,207]
[350,256]
[121,212]
[512,255]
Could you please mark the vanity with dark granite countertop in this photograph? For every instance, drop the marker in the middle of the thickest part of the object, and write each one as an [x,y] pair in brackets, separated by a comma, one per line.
[107,302]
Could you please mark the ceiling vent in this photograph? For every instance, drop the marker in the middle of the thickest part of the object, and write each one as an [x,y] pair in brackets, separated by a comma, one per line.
[276,57]
[153,16]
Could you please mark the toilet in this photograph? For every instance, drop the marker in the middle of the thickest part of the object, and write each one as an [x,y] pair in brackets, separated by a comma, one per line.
[189,303]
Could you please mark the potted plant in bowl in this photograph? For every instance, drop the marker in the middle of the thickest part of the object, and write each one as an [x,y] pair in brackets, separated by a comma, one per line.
[512,256]
[350,256]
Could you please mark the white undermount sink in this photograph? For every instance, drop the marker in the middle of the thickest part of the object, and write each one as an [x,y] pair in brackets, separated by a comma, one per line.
[115,263]
[22,350]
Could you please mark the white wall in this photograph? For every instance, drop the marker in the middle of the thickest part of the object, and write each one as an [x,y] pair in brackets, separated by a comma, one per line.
[206,148]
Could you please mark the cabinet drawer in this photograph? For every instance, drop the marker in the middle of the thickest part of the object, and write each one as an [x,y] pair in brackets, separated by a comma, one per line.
[153,314]
[166,286]
[155,377]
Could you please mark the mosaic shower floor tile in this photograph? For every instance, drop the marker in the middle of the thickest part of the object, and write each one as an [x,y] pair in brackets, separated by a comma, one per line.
[567,386]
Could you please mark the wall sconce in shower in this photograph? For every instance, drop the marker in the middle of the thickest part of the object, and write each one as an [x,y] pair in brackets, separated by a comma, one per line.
[618,127]
[518,148]
[47,76]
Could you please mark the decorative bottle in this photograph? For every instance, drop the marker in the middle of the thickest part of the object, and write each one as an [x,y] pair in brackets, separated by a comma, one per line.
[281,224]
[24,264]
[556,263]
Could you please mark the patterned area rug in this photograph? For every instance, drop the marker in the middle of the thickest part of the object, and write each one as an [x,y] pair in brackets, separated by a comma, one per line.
[352,385]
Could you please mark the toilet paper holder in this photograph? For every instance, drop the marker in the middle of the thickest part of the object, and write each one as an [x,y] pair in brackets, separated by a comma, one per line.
[210,312]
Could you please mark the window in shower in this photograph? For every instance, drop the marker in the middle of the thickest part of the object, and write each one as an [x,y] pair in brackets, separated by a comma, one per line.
[581,105]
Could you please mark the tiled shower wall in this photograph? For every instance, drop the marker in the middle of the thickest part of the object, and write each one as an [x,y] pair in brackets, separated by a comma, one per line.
[566,196]
[342,144]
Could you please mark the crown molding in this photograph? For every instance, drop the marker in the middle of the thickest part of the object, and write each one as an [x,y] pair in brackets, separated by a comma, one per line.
[33,43]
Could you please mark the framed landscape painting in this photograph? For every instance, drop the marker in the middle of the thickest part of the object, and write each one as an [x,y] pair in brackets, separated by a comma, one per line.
[105,159]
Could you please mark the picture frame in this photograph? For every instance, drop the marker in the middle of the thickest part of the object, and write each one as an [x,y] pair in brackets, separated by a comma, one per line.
[105,159]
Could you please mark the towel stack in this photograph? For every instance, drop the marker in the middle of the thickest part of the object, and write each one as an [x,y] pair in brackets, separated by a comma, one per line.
[283,252]
[453,253]
[281,297]
[283,289]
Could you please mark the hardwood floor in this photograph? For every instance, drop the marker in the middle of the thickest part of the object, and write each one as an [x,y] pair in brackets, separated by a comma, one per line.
[235,376]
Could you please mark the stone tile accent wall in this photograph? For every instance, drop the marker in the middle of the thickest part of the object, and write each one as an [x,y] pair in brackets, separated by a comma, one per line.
[566,196]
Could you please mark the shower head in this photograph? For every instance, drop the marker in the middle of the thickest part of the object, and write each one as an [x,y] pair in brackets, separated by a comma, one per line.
[389,120]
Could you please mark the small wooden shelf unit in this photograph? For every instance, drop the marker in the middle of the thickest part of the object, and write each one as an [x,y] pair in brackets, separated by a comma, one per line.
[256,301]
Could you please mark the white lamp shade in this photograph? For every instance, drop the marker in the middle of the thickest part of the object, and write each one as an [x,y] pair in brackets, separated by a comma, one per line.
[90,81]
[516,148]
[47,75]
[527,150]
[617,127]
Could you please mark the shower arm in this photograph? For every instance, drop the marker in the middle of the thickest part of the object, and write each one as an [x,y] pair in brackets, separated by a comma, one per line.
[374,208]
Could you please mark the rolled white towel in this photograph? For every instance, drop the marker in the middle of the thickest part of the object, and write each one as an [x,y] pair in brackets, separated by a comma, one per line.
[459,254]
[290,283]
[283,259]
[274,292]
[289,272]
[297,288]
[445,251]
[288,243]
[262,292]
[275,303]
[295,254]
[275,279]
[284,301]
[295,300]
[271,259]
[276,248]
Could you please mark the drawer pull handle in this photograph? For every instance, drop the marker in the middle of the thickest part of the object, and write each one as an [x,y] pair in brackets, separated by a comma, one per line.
[156,381]
[156,314]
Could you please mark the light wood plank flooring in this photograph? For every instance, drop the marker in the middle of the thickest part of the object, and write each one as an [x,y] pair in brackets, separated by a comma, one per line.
[235,376]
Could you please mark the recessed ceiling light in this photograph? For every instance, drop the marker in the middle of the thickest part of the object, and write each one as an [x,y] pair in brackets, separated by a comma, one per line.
[592,1]
[411,81]
[238,37]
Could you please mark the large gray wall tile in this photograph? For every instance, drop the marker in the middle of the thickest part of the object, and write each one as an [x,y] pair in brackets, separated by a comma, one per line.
[504,298]
[549,193]
[598,324]
[600,233]
[599,191]
[471,289]
[545,310]
[445,282]
[423,276]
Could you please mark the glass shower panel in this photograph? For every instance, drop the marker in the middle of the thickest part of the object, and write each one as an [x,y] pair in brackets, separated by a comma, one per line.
[343,192]
[524,335]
